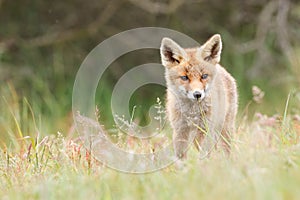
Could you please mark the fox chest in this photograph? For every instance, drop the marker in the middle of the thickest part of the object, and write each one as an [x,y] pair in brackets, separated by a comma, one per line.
[193,115]
[196,116]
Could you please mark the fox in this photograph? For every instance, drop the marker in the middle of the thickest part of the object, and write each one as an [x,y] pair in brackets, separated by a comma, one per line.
[201,96]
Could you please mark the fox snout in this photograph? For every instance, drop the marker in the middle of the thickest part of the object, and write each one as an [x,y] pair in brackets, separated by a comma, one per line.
[196,90]
[196,94]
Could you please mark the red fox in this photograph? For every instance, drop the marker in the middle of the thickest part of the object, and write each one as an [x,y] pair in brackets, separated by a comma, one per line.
[202,97]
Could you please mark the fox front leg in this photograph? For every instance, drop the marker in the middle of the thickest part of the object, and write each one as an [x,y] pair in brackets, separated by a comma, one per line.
[181,142]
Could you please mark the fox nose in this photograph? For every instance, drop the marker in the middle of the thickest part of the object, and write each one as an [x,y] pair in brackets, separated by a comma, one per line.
[197,95]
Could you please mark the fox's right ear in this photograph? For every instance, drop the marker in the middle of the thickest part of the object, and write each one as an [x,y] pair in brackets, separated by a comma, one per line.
[171,53]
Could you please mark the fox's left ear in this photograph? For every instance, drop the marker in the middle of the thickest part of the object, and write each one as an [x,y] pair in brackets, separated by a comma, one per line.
[211,50]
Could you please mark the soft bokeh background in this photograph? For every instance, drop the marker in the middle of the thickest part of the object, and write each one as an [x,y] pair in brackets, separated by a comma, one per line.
[43,43]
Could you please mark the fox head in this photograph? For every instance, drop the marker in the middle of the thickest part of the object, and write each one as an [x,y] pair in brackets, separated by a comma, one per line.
[190,72]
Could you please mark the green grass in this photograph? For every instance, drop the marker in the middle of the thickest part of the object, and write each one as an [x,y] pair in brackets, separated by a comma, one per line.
[35,164]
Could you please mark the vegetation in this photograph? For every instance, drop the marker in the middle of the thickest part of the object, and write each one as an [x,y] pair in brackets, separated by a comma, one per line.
[42,45]
[264,164]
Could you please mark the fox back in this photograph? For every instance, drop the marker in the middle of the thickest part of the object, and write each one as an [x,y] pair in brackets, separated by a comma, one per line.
[201,94]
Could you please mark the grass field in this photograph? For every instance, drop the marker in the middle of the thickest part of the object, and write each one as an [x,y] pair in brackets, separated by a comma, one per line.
[264,164]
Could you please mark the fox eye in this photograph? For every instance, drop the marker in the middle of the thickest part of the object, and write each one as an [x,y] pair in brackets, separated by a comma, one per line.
[204,76]
[184,78]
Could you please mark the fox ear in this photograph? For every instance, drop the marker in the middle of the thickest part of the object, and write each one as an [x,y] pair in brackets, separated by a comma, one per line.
[171,53]
[211,50]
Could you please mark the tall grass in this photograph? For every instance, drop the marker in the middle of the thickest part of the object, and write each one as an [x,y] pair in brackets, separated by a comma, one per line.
[264,163]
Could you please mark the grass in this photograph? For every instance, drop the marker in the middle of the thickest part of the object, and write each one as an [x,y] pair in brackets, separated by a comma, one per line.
[264,164]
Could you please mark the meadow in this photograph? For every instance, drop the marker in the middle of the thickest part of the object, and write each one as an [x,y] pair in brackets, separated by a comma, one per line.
[264,163]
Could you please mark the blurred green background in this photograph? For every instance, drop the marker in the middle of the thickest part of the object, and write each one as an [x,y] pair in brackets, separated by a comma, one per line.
[43,43]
